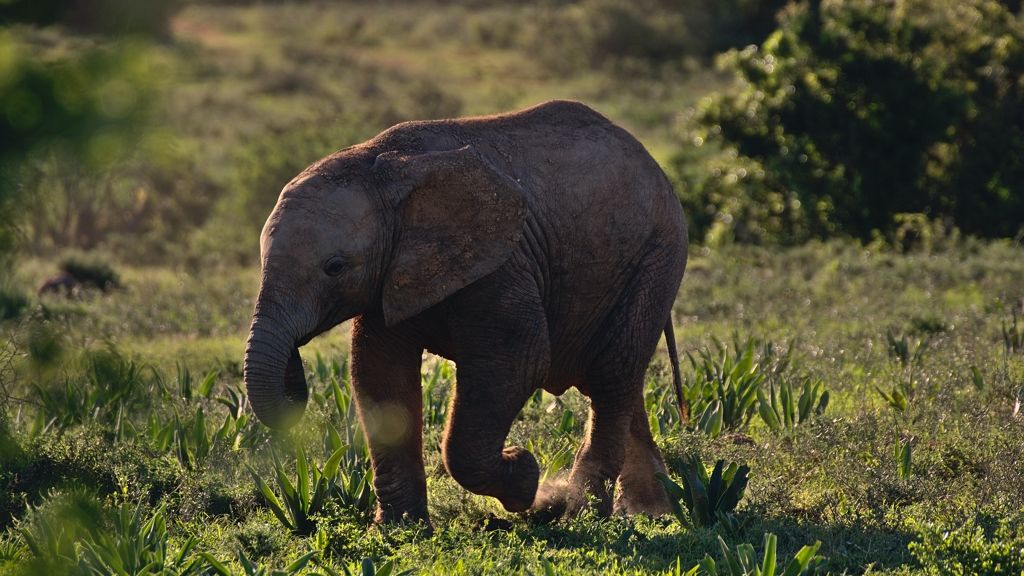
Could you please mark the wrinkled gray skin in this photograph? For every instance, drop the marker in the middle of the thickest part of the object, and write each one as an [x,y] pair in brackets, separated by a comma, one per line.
[536,249]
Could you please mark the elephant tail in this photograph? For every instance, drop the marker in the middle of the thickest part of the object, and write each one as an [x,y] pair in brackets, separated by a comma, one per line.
[677,378]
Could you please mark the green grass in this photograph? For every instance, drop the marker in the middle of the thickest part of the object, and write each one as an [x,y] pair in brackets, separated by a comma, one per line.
[834,478]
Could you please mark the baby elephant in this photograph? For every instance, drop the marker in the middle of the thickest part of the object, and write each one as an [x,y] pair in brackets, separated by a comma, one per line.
[537,249]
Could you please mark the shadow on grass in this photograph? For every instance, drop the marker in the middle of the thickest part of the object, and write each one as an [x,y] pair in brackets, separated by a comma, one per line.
[655,544]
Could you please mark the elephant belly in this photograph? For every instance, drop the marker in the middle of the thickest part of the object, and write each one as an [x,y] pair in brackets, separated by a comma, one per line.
[559,385]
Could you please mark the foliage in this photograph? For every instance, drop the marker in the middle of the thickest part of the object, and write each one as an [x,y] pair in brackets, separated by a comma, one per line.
[743,562]
[250,568]
[108,384]
[783,410]
[13,302]
[908,354]
[970,549]
[94,16]
[51,530]
[136,545]
[903,458]
[304,498]
[1013,335]
[707,499]
[635,37]
[722,392]
[367,568]
[853,112]
[91,271]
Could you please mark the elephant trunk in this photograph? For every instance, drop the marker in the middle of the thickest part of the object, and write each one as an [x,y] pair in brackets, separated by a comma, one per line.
[275,380]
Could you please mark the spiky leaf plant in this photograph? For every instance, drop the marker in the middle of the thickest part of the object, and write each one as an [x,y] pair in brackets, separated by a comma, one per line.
[704,499]
[300,501]
[781,409]
[722,392]
[743,562]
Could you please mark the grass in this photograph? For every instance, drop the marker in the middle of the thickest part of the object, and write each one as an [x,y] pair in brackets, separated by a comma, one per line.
[838,478]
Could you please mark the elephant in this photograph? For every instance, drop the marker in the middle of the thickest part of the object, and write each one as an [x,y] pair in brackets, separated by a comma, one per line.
[536,249]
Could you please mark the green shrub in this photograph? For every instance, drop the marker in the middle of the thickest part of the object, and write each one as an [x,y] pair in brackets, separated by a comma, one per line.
[91,270]
[250,568]
[12,303]
[853,112]
[969,549]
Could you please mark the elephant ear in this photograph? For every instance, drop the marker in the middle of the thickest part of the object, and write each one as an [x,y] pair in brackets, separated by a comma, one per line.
[459,220]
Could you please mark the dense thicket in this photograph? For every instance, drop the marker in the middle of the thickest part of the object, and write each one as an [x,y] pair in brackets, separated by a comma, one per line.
[854,112]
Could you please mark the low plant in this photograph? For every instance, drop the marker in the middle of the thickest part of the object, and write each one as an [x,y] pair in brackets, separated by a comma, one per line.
[908,354]
[721,394]
[367,568]
[1013,335]
[553,455]
[185,386]
[742,561]
[49,531]
[703,500]
[108,383]
[135,544]
[969,549]
[906,350]
[351,436]
[300,501]
[783,410]
[435,394]
[250,568]
[190,440]
[902,456]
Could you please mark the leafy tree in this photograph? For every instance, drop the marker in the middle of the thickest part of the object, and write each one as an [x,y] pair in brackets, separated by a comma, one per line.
[853,112]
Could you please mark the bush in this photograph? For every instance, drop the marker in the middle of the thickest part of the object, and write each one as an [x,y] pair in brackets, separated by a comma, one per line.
[90,270]
[967,549]
[852,112]
[13,302]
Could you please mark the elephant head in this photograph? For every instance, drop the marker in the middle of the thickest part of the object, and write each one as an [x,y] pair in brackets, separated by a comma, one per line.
[363,232]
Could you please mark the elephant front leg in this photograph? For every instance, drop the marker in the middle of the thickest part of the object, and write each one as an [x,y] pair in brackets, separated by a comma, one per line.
[386,381]
[501,360]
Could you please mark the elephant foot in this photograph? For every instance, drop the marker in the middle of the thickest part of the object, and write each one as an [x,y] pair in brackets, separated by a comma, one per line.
[520,476]
[423,525]
[550,503]
[647,500]
[567,498]
[403,515]
[511,477]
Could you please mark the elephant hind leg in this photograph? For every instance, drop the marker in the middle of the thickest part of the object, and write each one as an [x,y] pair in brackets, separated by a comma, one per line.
[637,490]
[618,445]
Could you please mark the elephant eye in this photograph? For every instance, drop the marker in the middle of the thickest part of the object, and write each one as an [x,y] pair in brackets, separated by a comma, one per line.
[334,266]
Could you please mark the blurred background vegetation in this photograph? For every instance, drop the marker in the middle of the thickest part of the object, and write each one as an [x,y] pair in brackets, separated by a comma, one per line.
[161,132]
